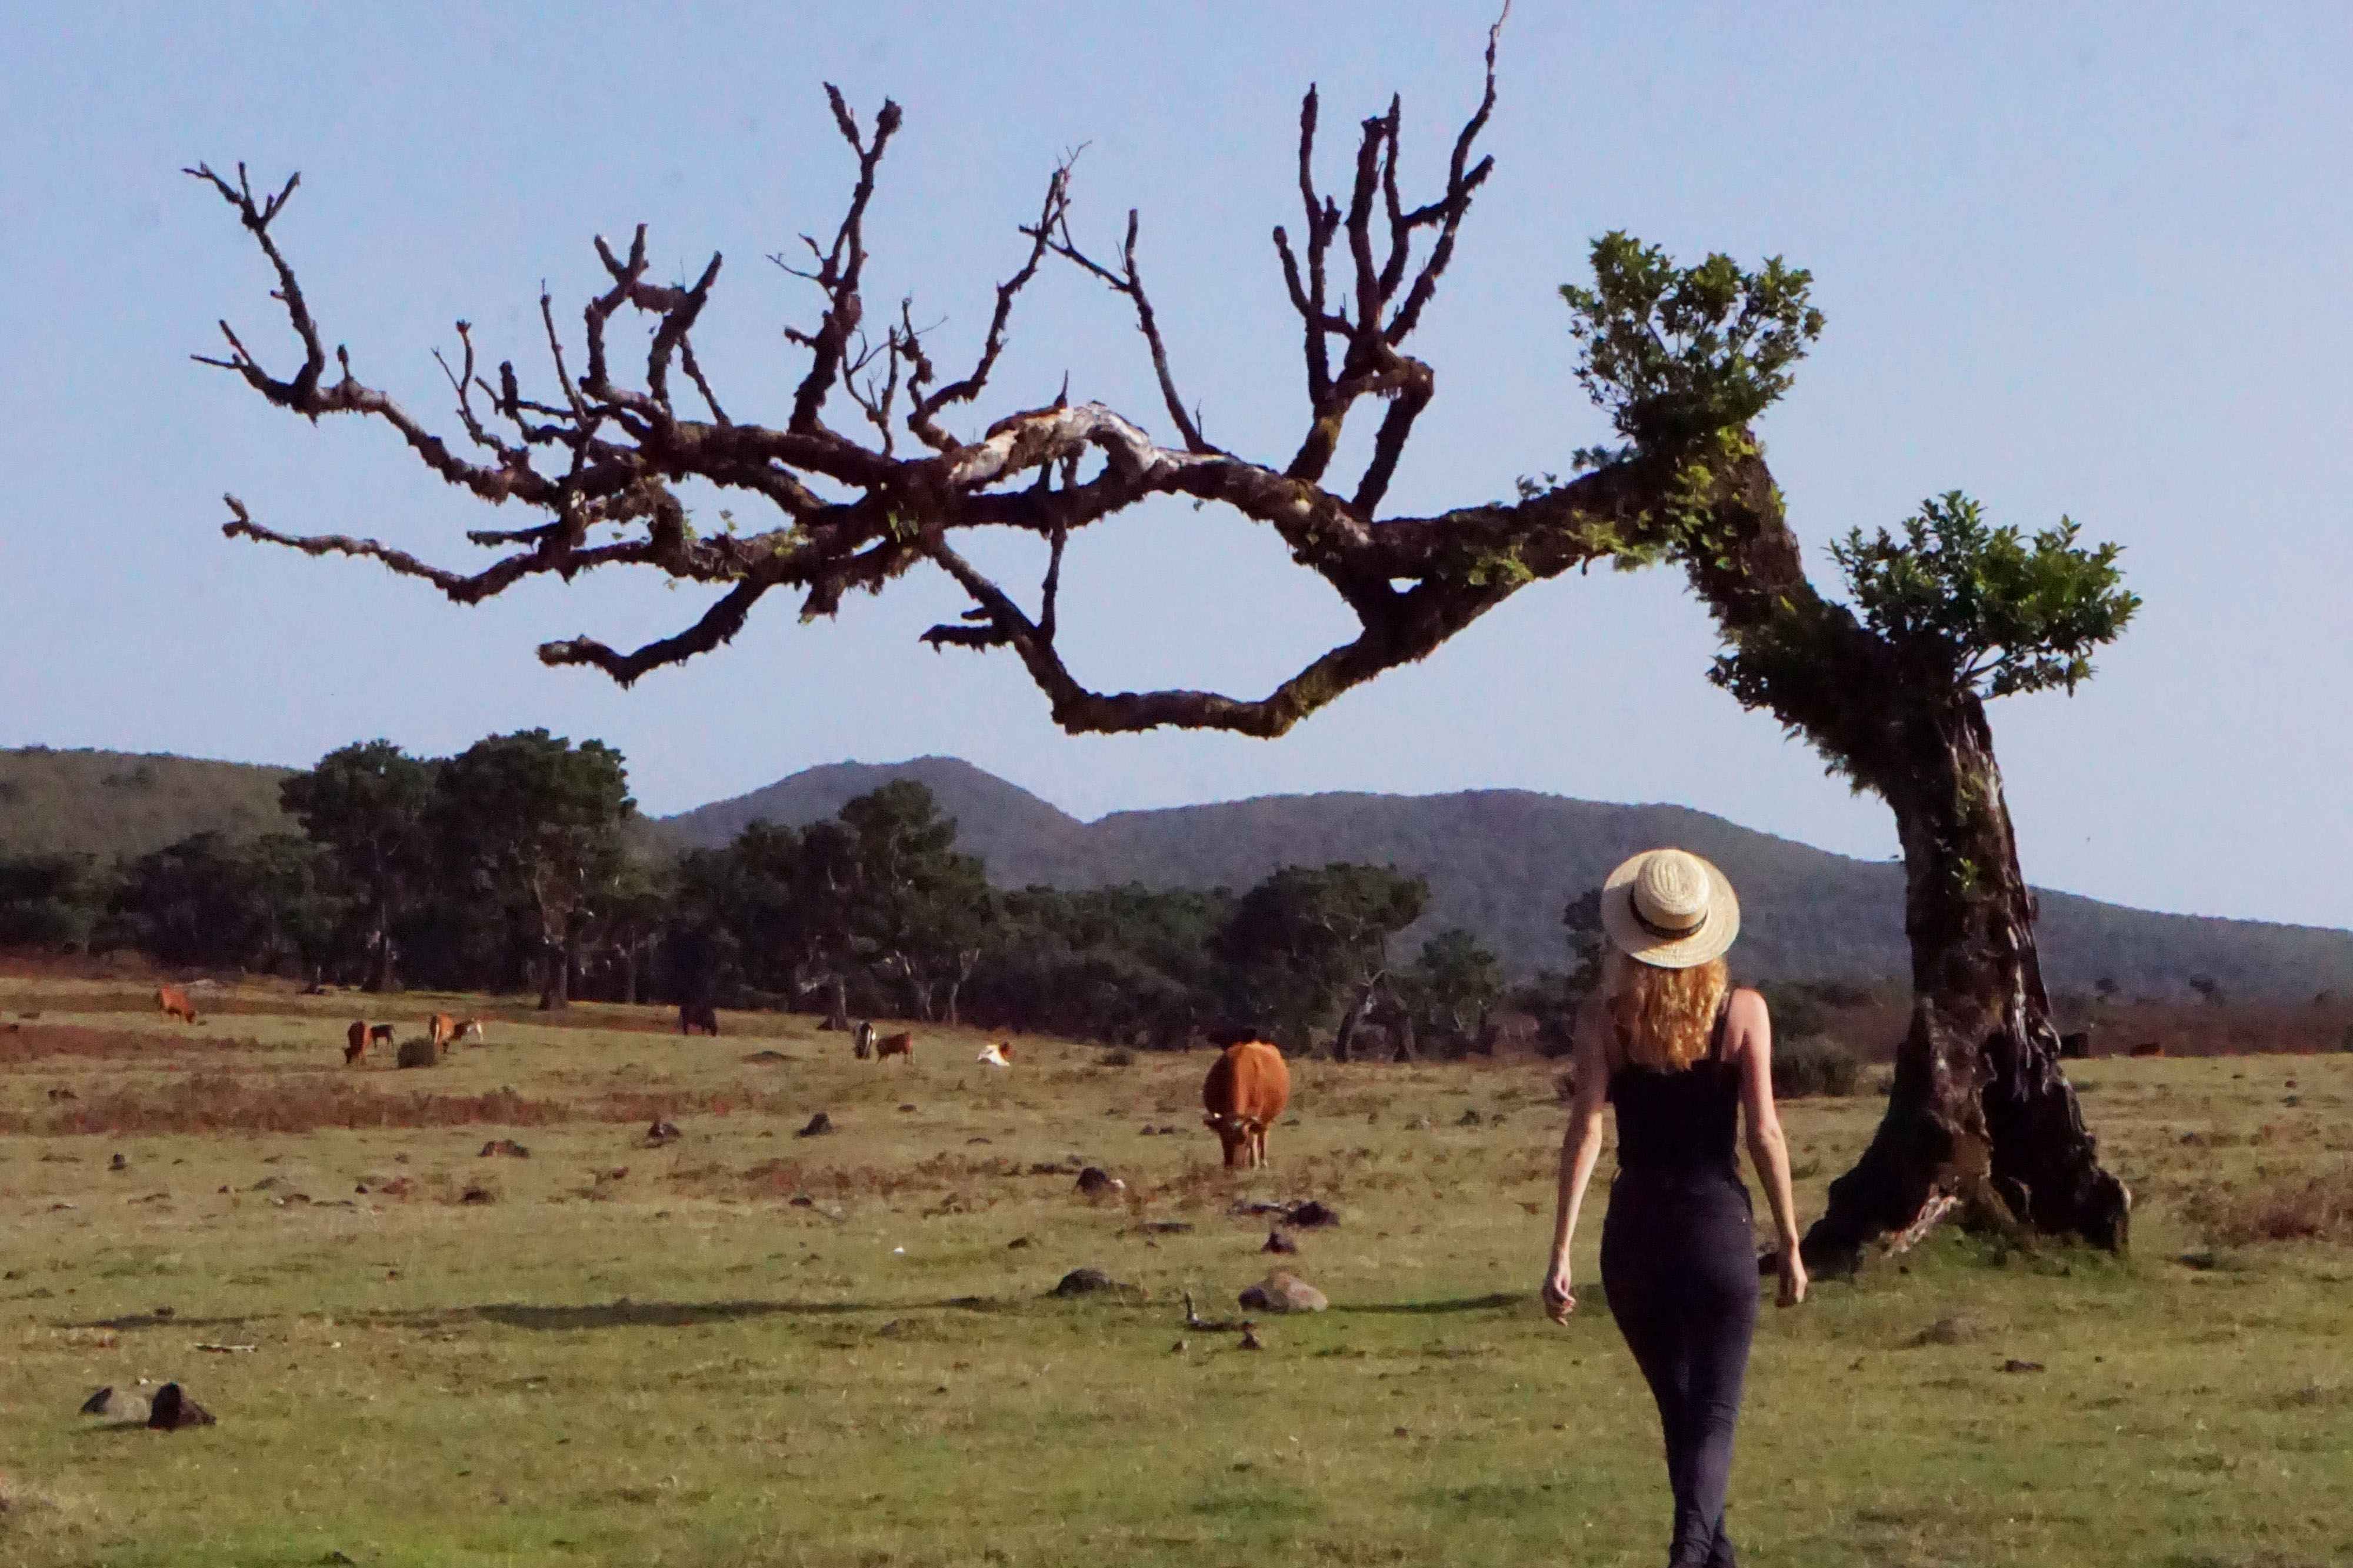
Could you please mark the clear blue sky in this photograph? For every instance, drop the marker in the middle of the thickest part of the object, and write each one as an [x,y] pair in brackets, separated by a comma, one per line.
[2083,259]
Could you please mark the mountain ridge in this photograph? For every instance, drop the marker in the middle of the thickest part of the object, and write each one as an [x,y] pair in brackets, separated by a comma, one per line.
[1503,863]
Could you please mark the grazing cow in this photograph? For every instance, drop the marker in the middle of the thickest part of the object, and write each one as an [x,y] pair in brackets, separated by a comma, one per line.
[693,1016]
[441,1029]
[861,1043]
[997,1055]
[895,1046]
[2148,1048]
[2076,1047]
[1246,1090]
[380,1034]
[470,1028]
[355,1048]
[173,1003]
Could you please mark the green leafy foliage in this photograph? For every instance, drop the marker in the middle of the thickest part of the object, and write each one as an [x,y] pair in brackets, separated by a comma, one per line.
[1452,987]
[1675,353]
[1306,938]
[50,901]
[371,805]
[1990,608]
[533,824]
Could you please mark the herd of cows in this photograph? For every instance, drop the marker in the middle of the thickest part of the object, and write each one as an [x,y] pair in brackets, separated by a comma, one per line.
[1247,1089]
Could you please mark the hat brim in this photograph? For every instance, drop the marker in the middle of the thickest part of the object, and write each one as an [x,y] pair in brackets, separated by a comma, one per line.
[1712,938]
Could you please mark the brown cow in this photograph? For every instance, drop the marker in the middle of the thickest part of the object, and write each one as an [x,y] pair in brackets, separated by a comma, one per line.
[1246,1090]
[173,1003]
[895,1046]
[470,1028]
[357,1043]
[441,1029]
[2147,1048]
[693,1016]
[380,1034]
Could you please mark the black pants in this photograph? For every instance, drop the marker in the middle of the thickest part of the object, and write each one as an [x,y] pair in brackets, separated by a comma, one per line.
[1679,1263]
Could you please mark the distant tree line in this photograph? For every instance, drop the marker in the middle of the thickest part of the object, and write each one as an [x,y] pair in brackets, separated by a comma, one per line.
[519,865]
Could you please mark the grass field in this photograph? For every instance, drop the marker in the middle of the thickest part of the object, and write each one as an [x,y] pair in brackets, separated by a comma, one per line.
[751,1347]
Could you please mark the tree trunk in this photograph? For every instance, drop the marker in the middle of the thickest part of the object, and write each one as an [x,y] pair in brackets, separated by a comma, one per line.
[381,977]
[1408,1048]
[838,1016]
[556,977]
[1980,1117]
[1344,1039]
[630,973]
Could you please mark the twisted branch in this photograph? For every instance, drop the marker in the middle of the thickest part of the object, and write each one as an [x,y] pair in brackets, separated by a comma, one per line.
[1410,583]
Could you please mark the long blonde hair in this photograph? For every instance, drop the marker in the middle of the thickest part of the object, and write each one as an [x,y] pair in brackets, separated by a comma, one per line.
[1663,1019]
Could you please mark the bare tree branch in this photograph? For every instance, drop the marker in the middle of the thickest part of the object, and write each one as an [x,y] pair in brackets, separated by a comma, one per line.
[858,517]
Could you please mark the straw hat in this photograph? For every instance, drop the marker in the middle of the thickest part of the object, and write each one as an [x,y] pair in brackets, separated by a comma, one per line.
[1670,909]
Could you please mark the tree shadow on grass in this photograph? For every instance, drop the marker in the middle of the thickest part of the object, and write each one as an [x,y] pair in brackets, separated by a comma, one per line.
[1496,1303]
[621,1315]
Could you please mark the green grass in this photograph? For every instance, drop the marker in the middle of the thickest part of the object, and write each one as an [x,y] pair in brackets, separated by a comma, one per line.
[680,1366]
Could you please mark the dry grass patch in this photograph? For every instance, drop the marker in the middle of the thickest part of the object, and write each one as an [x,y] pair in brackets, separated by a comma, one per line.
[36,1042]
[2295,1208]
[221,1102]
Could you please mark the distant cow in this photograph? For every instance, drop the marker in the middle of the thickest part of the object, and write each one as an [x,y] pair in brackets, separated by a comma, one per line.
[895,1046]
[380,1034]
[469,1027]
[1246,1090]
[2077,1047]
[861,1043]
[997,1055]
[441,1029]
[2147,1048]
[693,1016]
[357,1043]
[173,1003]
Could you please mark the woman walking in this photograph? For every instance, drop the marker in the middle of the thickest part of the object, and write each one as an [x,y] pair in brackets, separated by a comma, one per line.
[1681,1055]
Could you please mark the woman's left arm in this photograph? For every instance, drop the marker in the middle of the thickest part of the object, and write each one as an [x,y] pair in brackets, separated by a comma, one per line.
[1578,1149]
[1769,1151]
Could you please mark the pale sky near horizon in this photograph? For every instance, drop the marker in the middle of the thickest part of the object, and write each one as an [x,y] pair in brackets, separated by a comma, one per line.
[2083,259]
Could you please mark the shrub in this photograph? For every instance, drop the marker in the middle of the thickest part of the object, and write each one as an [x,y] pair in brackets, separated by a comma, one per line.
[418,1052]
[1815,1065]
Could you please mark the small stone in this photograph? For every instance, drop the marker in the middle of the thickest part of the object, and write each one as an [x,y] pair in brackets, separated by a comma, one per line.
[1946,1331]
[1017,1243]
[1085,1282]
[1094,1182]
[1312,1216]
[817,1126]
[1250,1337]
[122,1405]
[661,1131]
[1283,1291]
[1278,1242]
[2014,1364]
[504,1146]
[171,1410]
[119,1164]
[802,1201]
[476,1192]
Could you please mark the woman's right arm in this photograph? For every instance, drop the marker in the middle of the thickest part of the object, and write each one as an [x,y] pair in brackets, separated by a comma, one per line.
[1578,1149]
[1769,1151]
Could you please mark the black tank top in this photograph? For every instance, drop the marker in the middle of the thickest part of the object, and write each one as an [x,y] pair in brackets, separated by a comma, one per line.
[1680,1123]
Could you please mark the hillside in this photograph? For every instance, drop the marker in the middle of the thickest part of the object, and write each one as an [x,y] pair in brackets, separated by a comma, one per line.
[109,803]
[1503,863]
